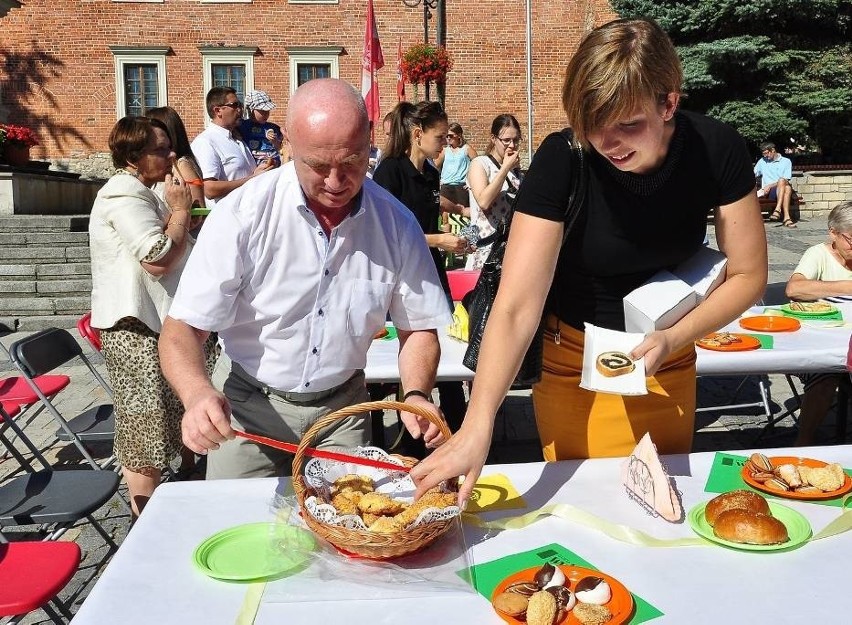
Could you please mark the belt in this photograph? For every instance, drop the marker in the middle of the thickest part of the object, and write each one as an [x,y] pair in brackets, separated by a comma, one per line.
[290,396]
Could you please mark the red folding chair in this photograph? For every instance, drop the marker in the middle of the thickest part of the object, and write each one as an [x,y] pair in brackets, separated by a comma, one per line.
[462,282]
[32,574]
[93,335]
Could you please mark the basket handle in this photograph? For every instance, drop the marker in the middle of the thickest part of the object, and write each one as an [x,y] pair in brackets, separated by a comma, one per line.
[364,409]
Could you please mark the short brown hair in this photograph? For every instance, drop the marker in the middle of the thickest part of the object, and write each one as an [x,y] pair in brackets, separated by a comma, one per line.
[618,67]
[128,138]
[217,97]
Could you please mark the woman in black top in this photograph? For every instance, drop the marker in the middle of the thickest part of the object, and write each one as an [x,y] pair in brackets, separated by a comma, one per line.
[654,175]
[418,133]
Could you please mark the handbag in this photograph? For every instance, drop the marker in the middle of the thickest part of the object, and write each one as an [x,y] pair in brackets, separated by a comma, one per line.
[480,300]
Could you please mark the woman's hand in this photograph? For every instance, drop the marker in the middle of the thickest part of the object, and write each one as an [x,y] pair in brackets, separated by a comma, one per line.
[655,348]
[177,194]
[511,159]
[463,455]
[452,243]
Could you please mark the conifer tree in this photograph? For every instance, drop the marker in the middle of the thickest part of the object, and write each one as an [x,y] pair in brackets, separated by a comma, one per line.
[775,69]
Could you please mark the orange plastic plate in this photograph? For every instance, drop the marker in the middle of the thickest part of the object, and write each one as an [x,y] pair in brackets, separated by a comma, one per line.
[621,603]
[770,323]
[791,494]
[745,343]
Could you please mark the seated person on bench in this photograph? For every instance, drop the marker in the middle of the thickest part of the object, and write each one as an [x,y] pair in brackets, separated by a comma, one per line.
[775,173]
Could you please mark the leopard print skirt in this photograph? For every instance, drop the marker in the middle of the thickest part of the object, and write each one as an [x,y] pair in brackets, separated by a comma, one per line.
[147,411]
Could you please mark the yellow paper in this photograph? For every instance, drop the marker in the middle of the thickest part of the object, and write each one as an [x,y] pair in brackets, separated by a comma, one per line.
[494,492]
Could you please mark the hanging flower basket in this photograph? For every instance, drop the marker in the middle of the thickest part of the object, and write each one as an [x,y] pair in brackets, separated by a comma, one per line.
[424,63]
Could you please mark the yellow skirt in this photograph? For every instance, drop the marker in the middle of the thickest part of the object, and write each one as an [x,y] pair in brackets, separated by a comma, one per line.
[576,423]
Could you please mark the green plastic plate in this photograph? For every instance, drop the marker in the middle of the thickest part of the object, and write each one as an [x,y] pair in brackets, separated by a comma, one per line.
[798,528]
[254,552]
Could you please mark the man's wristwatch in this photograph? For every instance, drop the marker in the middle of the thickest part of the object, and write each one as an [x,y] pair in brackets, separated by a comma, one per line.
[417,393]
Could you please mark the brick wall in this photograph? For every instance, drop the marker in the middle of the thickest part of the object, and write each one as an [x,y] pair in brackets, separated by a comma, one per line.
[58,76]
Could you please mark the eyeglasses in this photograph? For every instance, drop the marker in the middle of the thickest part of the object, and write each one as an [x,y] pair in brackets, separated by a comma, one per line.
[233,105]
[510,140]
[846,237]
[452,136]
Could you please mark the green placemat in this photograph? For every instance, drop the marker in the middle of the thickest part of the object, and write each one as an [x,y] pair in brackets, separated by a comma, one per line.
[725,475]
[835,316]
[767,341]
[487,576]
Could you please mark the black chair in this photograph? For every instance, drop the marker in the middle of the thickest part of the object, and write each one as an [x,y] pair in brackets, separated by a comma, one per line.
[55,500]
[43,352]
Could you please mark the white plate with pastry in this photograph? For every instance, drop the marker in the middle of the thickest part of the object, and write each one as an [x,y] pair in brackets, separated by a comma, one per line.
[607,365]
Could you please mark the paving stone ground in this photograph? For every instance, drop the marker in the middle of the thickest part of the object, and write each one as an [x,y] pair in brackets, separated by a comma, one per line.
[515,435]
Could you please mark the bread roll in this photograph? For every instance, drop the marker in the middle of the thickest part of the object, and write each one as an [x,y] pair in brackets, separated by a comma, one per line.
[753,528]
[735,500]
[612,364]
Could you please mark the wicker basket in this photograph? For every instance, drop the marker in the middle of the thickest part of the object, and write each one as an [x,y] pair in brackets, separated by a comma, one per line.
[361,542]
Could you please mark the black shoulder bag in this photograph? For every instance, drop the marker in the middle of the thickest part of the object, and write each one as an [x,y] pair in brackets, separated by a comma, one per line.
[481,298]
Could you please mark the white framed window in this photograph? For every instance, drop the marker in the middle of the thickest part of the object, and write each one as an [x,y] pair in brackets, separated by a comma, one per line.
[307,63]
[140,79]
[231,66]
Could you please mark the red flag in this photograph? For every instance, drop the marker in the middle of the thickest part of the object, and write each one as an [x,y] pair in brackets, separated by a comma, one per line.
[400,82]
[370,63]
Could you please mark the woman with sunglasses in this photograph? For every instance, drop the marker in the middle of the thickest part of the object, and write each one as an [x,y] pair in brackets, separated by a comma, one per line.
[453,164]
[418,133]
[139,244]
[493,180]
[654,174]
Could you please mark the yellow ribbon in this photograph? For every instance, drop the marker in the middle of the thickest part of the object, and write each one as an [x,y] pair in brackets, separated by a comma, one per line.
[251,604]
[627,534]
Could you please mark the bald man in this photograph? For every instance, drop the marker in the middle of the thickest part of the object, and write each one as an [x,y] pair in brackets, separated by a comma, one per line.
[297,270]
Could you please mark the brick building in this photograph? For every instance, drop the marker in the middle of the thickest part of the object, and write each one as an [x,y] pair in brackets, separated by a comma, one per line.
[72,68]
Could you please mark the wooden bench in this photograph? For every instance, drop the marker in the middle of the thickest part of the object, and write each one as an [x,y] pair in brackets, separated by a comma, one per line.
[767,205]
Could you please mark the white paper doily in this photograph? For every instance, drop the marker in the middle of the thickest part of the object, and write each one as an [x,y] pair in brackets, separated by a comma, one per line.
[320,474]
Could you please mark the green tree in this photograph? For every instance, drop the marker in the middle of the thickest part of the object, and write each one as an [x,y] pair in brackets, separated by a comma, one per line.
[775,69]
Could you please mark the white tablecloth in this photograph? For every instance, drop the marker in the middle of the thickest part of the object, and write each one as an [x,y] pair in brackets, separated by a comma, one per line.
[152,579]
[809,349]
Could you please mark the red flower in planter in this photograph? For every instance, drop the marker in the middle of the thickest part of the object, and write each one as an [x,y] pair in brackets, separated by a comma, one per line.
[19,136]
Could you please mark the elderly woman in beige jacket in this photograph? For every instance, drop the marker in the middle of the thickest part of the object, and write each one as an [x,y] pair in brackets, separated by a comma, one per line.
[139,246]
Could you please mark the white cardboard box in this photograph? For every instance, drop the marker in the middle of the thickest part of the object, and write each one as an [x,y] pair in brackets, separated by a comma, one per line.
[704,271]
[658,304]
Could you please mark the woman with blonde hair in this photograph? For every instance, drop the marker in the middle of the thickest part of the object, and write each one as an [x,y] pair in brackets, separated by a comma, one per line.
[654,174]
[493,180]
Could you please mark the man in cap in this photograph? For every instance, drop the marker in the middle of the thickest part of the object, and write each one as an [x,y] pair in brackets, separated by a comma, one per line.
[226,163]
[297,272]
[262,136]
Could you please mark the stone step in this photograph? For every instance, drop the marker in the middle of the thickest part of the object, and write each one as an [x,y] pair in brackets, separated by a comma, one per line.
[44,223]
[13,288]
[49,271]
[43,322]
[42,254]
[47,305]
[65,239]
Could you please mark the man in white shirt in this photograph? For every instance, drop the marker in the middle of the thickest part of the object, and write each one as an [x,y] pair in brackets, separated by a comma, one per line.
[226,163]
[297,271]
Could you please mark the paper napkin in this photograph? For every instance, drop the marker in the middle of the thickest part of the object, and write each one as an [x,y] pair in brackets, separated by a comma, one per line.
[599,340]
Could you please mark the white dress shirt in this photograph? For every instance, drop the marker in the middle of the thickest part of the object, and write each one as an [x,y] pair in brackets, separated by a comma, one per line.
[221,156]
[296,309]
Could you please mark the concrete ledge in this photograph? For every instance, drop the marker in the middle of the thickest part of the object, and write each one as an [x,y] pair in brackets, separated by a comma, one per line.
[45,194]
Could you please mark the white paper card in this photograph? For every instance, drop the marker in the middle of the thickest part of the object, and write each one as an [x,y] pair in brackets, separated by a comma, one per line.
[599,340]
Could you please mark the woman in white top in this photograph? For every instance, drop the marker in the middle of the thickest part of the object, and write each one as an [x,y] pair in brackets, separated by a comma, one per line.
[825,270]
[493,180]
[139,245]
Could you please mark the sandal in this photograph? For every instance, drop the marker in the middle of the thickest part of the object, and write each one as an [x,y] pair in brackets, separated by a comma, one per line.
[790,223]
[775,216]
